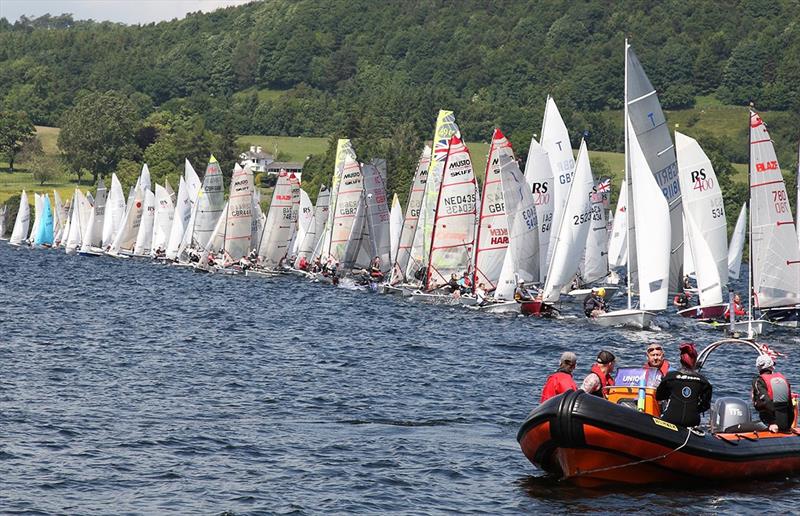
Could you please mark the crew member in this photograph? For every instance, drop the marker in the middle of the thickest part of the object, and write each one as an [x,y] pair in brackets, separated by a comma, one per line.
[521,293]
[595,302]
[480,294]
[600,374]
[772,396]
[302,264]
[465,284]
[688,393]
[656,362]
[375,273]
[682,300]
[738,309]
[452,285]
[561,381]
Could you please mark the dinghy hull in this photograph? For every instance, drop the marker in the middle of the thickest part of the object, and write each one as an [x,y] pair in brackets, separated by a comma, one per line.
[704,312]
[633,318]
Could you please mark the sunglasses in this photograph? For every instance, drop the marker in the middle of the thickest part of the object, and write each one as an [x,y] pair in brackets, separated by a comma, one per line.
[659,348]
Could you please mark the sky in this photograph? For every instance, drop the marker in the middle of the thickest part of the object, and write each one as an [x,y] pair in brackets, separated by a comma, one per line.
[125,11]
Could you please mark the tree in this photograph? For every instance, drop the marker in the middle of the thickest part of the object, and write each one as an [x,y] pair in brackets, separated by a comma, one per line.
[99,132]
[16,129]
[44,168]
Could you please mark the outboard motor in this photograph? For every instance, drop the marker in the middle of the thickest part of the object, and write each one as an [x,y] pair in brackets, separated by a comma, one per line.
[730,415]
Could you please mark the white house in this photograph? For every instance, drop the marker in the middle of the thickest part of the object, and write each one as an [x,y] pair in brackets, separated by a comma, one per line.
[256,158]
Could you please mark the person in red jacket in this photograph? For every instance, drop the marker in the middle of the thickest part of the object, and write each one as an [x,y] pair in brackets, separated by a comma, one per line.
[738,309]
[561,381]
[655,360]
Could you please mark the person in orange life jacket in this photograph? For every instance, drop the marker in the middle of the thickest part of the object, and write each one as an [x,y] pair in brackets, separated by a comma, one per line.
[561,381]
[600,375]
[738,309]
[655,360]
[688,393]
[772,396]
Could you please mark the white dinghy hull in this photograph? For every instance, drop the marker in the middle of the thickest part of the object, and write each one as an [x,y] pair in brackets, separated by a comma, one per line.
[629,317]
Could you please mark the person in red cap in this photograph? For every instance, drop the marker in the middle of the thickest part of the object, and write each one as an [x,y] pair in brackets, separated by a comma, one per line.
[688,393]
[561,381]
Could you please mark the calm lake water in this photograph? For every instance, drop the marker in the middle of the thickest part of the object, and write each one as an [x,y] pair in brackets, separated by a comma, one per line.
[130,387]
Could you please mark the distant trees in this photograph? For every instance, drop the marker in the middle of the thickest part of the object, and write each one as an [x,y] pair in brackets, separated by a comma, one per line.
[16,130]
[99,132]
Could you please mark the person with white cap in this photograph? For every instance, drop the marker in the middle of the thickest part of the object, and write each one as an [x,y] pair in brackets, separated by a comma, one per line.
[561,381]
[772,396]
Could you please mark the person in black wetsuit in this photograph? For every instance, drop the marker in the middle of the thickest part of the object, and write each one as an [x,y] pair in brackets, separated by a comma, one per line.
[595,302]
[688,393]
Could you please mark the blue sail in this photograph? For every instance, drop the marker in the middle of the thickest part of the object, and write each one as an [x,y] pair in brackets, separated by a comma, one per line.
[44,235]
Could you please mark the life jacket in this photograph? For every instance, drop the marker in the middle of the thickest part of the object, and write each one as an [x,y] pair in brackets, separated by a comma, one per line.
[777,387]
[605,380]
[663,368]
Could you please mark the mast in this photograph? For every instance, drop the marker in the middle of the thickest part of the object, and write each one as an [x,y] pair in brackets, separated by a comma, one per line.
[627,178]
[436,215]
[750,225]
[480,213]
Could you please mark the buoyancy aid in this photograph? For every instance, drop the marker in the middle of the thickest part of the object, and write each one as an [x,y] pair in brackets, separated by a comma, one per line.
[777,387]
[605,379]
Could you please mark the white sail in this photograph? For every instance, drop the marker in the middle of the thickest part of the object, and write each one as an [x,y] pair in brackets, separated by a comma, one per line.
[278,228]
[492,233]
[3,215]
[737,244]
[144,237]
[776,258]
[618,243]
[702,198]
[354,254]
[208,208]
[445,129]
[377,216]
[409,256]
[238,227]
[344,154]
[22,222]
[125,239]
[688,261]
[649,128]
[37,215]
[453,234]
[709,284]
[216,242]
[572,230]
[162,221]
[296,190]
[58,219]
[81,211]
[522,256]
[652,226]
[257,216]
[114,211]
[555,141]
[304,220]
[143,182]
[313,236]
[183,211]
[193,186]
[94,227]
[539,176]
[395,226]
[595,257]
[348,197]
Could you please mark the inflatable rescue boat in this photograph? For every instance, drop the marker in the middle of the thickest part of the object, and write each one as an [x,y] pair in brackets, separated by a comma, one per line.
[589,440]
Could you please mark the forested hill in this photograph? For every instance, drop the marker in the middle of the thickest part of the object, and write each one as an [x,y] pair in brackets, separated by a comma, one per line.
[347,67]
